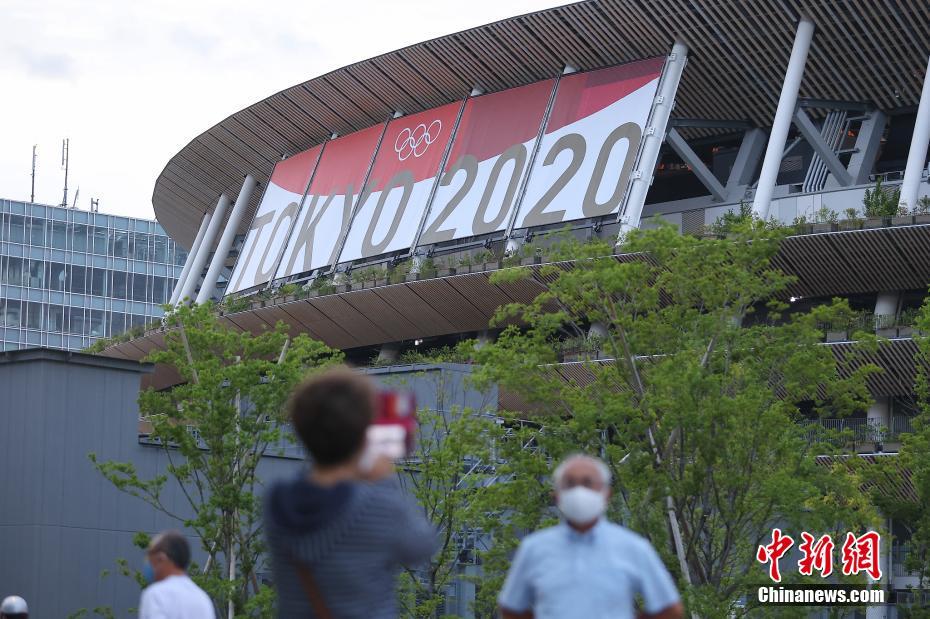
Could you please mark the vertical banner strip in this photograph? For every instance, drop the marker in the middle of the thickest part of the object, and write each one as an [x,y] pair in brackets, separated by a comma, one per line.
[363,192]
[529,166]
[303,200]
[439,173]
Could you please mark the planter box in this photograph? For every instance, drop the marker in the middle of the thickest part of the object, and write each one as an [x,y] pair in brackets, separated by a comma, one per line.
[800,228]
[850,224]
[837,336]
[922,219]
[902,220]
[875,222]
[887,332]
[824,227]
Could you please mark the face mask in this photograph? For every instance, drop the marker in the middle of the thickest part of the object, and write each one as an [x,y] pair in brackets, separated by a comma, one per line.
[582,505]
[148,573]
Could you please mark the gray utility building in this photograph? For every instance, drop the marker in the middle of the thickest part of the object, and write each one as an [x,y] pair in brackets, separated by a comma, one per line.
[62,525]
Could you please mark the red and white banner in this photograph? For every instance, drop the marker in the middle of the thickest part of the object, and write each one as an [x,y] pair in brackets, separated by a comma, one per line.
[490,155]
[591,143]
[400,182]
[280,204]
[330,201]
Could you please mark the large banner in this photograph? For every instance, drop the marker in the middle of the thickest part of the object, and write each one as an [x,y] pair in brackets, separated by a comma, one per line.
[489,157]
[280,204]
[400,182]
[330,200]
[590,145]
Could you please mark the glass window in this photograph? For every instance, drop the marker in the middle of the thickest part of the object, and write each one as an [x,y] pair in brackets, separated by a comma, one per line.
[139,292]
[76,320]
[14,272]
[76,284]
[79,242]
[119,285]
[9,316]
[158,290]
[137,321]
[3,224]
[37,232]
[56,276]
[31,317]
[140,246]
[117,323]
[98,282]
[180,255]
[56,318]
[17,228]
[100,240]
[97,323]
[36,275]
[161,249]
[59,235]
[119,241]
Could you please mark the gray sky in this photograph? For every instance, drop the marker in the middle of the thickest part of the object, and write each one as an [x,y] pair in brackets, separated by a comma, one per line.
[131,82]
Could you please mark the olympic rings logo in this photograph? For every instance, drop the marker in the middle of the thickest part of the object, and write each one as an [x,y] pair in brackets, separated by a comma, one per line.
[415,141]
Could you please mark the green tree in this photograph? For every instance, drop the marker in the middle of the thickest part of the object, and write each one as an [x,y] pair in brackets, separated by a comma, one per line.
[696,410]
[449,474]
[213,429]
[912,467]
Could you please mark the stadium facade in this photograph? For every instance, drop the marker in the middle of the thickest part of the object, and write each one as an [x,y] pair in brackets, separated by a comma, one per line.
[70,277]
[594,116]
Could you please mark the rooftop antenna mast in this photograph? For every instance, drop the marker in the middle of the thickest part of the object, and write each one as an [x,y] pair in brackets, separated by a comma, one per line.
[32,194]
[64,165]
[76,194]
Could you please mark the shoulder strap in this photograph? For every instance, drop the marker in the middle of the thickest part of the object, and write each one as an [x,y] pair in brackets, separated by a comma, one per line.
[312,590]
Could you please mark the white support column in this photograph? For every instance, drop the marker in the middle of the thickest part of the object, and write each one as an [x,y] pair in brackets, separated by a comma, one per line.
[208,287]
[652,139]
[919,142]
[195,247]
[879,418]
[782,122]
[388,353]
[206,245]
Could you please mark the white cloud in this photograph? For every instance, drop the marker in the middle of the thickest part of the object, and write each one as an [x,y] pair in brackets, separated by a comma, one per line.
[130,83]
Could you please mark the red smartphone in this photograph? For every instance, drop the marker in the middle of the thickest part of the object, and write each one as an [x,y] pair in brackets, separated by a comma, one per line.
[393,431]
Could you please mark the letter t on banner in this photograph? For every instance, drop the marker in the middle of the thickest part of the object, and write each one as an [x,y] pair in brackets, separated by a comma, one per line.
[652,141]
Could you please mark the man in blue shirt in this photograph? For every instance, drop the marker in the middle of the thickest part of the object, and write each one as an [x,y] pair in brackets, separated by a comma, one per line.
[587,567]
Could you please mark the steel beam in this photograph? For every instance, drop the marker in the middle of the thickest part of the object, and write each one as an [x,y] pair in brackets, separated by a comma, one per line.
[710,123]
[747,160]
[707,178]
[868,143]
[835,104]
[811,133]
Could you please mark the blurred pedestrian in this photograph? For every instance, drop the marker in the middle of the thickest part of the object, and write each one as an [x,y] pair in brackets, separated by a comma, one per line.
[339,534]
[14,607]
[587,566]
[172,594]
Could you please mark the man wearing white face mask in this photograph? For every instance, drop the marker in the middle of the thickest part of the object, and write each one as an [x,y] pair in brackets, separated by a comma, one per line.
[587,567]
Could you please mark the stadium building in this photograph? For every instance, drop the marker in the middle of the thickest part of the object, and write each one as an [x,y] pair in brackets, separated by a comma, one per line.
[70,277]
[441,158]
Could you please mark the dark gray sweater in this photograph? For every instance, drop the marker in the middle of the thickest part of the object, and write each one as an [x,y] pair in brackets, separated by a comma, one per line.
[353,537]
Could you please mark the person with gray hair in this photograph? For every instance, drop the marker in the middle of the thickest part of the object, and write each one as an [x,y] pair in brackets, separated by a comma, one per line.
[587,566]
[171,593]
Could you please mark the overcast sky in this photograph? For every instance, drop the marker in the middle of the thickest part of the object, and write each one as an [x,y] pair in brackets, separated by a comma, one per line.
[130,83]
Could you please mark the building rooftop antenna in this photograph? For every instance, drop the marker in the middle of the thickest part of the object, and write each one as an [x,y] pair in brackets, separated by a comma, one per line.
[64,165]
[32,194]
[76,194]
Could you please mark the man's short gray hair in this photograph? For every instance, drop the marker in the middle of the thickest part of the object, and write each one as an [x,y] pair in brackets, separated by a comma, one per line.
[602,468]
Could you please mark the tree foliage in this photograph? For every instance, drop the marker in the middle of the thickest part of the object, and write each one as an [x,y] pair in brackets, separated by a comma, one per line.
[213,430]
[697,410]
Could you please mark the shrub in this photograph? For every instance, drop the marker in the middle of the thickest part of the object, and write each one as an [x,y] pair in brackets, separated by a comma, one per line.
[881,202]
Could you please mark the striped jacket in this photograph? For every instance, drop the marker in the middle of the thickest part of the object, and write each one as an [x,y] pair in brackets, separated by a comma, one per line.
[353,537]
